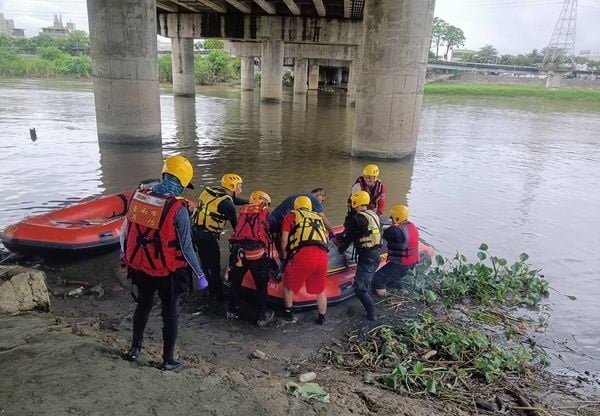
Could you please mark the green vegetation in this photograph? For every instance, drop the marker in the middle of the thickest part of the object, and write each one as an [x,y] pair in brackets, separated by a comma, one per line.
[43,56]
[506,90]
[468,338]
[217,66]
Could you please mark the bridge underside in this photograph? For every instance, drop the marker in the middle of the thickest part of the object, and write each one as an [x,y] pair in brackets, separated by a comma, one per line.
[383,43]
[331,9]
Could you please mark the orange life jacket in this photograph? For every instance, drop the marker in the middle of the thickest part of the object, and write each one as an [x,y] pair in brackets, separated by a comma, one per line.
[151,243]
[252,225]
[408,252]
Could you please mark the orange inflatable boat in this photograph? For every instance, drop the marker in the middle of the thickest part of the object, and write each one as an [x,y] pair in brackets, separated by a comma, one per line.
[340,278]
[92,225]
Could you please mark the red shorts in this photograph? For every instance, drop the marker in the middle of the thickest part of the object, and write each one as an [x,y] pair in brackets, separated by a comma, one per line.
[308,265]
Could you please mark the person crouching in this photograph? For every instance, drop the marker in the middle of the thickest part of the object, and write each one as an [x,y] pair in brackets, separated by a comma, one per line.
[250,250]
[403,251]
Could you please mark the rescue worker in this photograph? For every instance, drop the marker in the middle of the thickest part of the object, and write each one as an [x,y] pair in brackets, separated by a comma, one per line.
[370,183]
[403,251]
[157,247]
[216,206]
[304,253]
[317,197]
[251,245]
[364,231]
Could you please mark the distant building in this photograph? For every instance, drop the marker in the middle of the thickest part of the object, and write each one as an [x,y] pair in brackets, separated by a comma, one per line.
[7,27]
[58,29]
[18,33]
[456,55]
[589,55]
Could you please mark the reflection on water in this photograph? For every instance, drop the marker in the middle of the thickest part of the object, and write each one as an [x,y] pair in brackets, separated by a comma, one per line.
[520,175]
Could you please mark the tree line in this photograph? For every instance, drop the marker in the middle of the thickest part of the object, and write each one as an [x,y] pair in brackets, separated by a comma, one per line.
[45,57]
[450,37]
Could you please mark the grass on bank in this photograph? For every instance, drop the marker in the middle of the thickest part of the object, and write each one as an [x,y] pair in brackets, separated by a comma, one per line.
[468,337]
[506,90]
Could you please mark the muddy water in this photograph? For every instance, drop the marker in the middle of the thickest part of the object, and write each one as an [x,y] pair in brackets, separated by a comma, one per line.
[520,175]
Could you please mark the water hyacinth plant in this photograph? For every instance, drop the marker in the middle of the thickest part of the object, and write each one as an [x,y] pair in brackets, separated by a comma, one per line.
[465,339]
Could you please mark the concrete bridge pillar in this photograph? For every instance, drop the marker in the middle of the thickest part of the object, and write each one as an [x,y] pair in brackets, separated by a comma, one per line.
[389,92]
[300,75]
[553,80]
[247,73]
[126,94]
[352,75]
[182,54]
[271,70]
[313,77]
[339,76]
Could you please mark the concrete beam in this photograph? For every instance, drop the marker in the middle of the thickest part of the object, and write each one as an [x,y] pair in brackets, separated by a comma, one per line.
[186,6]
[293,50]
[290,29]
[214,5]
[241,7]
[320,8]
[267,7]
[166,7]
[292,6]
[347,9]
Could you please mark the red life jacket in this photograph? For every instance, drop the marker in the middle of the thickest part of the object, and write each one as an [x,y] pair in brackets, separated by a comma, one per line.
[252,225]
[154,251]
[376,193]
[409,250]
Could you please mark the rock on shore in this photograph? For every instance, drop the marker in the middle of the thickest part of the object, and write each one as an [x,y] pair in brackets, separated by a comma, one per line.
[22,289]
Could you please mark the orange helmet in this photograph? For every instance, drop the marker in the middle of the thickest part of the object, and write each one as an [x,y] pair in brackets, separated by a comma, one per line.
[259,197]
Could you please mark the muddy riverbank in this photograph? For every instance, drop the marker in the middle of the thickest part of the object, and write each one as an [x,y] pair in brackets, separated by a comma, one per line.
[69,361]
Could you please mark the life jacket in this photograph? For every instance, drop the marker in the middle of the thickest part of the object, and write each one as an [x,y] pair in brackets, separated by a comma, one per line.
[252,225]
[308,230]
[371,238]
[207,215]
[408,251]
[151,243]
[376,193]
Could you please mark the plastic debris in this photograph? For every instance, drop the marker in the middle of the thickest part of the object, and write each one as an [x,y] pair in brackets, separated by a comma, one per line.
[308,391]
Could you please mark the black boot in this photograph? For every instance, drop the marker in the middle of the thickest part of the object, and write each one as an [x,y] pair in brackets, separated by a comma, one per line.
[133,353]
[171,365]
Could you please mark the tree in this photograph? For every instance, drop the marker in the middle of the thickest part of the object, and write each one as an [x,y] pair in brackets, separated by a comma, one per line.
[76,42]
[487,54]
[535,57]
[453,37]
[468,57]
[214,44]
[439,29]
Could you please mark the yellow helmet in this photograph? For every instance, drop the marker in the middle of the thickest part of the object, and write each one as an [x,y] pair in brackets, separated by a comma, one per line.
[258,197]
[303,202]
[399,213]
[359,198]
[231,181]
[181,168]
[371,170]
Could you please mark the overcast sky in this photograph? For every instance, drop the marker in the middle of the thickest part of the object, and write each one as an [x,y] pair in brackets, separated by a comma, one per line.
[512,26]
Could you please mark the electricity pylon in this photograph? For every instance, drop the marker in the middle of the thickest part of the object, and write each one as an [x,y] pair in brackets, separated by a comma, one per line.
[562,44]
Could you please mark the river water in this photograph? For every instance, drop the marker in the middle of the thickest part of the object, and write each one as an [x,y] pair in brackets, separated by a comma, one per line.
[520,175]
